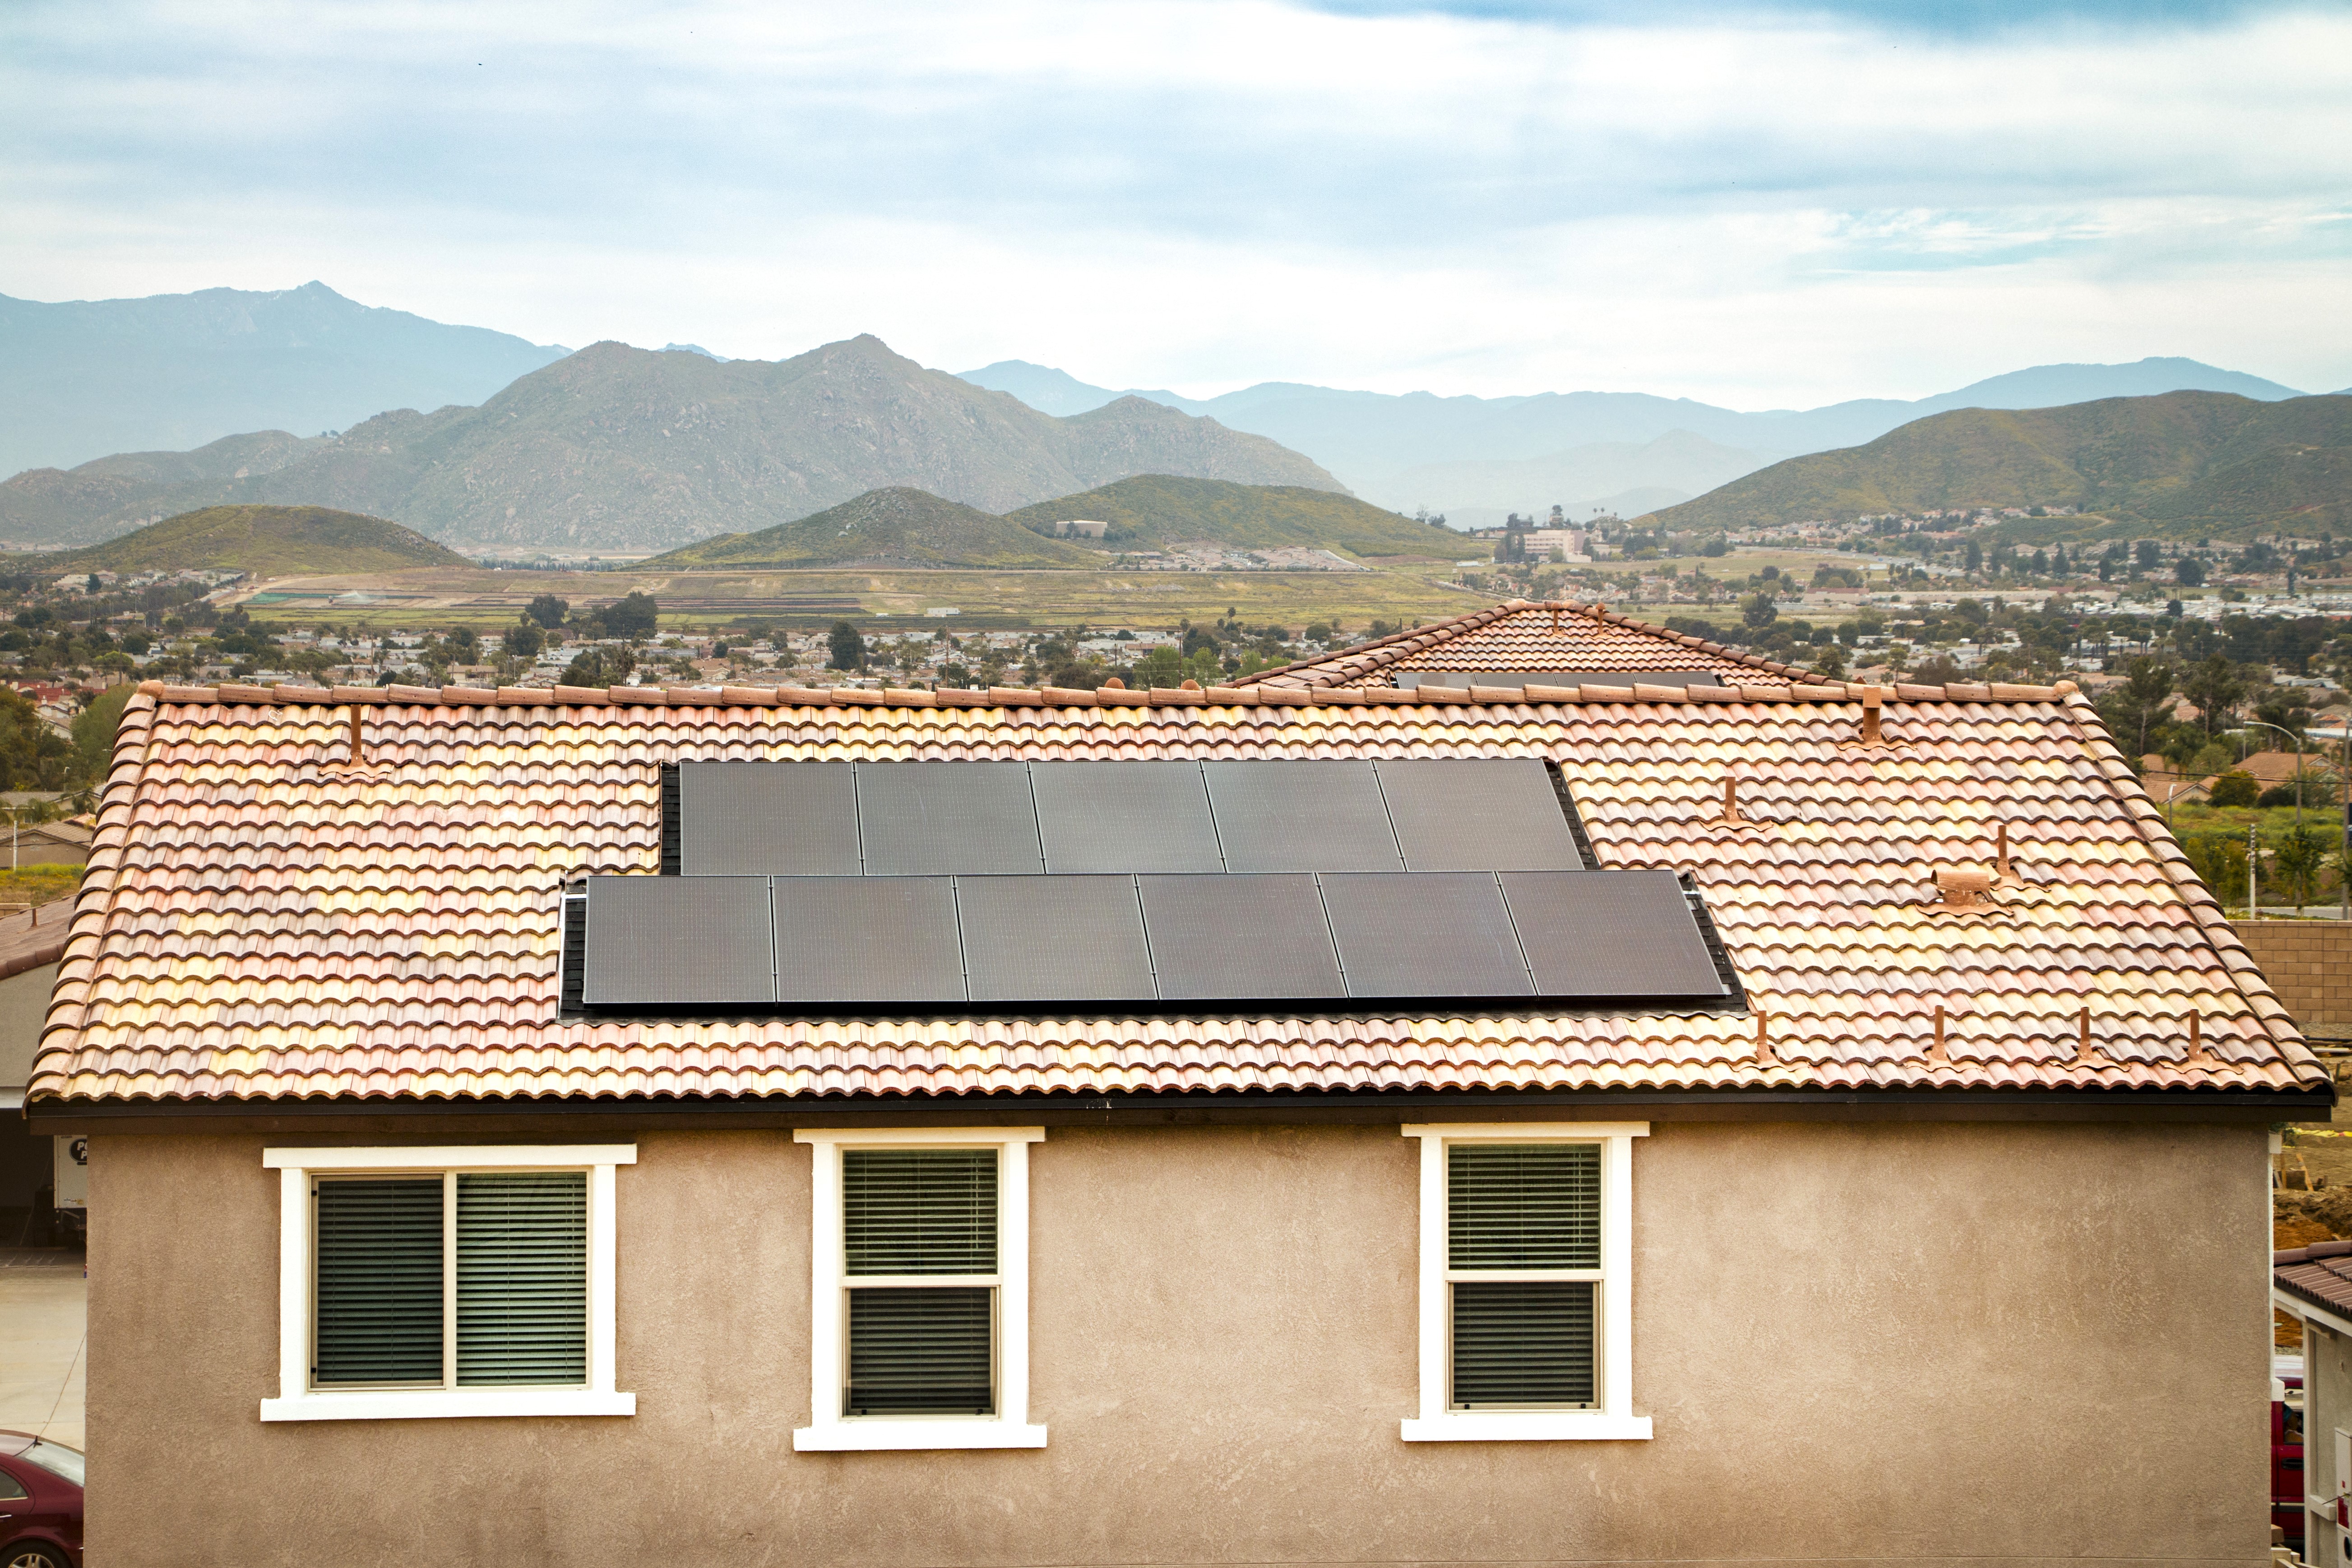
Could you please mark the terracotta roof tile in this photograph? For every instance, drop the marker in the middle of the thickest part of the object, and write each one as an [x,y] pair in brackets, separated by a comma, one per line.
[1524,636]
[262,921]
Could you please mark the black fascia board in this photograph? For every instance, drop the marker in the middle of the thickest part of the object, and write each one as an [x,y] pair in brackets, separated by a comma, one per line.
[544,1116]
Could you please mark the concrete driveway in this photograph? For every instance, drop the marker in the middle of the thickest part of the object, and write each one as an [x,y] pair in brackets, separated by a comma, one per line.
[43,1343]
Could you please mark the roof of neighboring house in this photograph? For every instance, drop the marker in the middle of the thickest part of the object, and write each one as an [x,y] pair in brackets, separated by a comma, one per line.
[66,830]
[267,914]
[1524,636]
[2320,1274]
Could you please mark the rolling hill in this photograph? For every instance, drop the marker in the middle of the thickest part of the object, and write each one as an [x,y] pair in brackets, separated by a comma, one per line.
[267,540]
[619,449]
[56,506]
[84,377]
[891,527]
[2185,464]
[1153,510]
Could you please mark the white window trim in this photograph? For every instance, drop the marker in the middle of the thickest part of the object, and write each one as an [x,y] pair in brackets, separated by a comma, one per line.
[297,1401]
[1615,1418]
[828,1430]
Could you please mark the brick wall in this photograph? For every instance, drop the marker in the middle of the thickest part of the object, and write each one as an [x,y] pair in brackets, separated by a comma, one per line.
[2309,964]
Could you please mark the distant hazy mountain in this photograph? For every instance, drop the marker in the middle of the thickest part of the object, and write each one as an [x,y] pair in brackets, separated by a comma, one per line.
[621,449]
[87,377]
[1604,476]
[1372,440]
[2185,464]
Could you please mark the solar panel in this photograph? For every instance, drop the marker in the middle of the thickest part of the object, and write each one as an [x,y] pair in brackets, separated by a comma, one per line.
[1435,934]
[872,940]
[931,818]
[1611,934]
[767,820]
[1477,814]
[1125,816]
[1054,939]
[687,942]
[1238,938]
[1301,816]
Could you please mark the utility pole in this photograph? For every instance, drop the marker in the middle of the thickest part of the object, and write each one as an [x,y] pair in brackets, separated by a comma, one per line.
[2253,858]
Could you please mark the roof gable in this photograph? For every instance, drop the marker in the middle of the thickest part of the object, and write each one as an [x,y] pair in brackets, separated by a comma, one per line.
[1521,635]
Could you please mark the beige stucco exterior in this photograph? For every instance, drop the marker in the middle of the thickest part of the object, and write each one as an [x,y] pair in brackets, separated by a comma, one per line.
[1883,1343]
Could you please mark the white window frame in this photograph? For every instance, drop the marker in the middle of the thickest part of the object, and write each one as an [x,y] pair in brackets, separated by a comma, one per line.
[829,1431]
[298,1401]
[1614,1418]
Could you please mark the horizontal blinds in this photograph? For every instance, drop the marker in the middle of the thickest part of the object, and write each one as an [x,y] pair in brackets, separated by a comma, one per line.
[920,1350]
[1523,1345]
[379,1281]
[918,1211]
[1523,1205]
[522,1277]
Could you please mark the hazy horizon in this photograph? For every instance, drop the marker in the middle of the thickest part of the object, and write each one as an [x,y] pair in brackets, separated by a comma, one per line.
[1754,205]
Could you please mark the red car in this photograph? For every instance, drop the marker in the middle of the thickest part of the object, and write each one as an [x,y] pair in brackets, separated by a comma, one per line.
[40,1503]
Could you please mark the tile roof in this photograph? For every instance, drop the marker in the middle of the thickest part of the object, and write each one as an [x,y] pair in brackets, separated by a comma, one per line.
[1524,636]
[267,914]
[2320,1274]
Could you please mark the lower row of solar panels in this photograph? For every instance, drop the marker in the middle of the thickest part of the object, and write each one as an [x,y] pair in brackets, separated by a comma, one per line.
[1010,943]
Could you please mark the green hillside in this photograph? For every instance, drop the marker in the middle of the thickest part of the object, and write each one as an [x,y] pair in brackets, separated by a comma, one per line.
[267,540]
[1151,512]
[891,527]
[2185,464]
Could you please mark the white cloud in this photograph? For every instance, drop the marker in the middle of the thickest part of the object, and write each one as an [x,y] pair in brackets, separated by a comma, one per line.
[1204,193]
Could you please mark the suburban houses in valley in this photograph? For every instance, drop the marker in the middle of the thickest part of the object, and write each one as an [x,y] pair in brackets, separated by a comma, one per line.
[1533,1088]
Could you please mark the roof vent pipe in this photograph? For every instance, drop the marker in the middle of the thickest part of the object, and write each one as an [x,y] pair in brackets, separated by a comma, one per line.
[2000,852]
[359,751]
[2082,1056]
[1763,1043]
[1872,702]
[1936,1051]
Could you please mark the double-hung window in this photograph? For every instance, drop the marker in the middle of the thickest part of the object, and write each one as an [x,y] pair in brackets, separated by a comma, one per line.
[1526,1282]
[920,1321]
[431,1282]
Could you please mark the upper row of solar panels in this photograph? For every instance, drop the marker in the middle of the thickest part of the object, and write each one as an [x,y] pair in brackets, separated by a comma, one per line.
[1079,819]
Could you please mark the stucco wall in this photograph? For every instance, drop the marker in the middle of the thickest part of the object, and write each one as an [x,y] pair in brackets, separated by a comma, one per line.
[1892,1343]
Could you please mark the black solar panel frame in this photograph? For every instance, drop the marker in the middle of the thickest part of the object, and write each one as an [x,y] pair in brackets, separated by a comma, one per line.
[1575,817]
[673,820]
[1318,814]
[1439,828]
[1044,942]
[695,943]
[1116,818]
[1612,938]
[866,944]
[1201,954]
[783,819]
[1407,936]
[979,819]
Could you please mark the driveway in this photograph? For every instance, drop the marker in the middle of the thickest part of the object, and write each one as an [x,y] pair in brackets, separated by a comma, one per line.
[43,1343]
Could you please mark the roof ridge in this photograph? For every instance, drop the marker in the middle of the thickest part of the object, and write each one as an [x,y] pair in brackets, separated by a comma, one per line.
[1364,656]
[2213,921]
[1795,685]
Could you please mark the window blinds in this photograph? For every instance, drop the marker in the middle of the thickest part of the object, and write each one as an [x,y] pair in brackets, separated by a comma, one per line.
[522,1277]
[391,1277]
[1517,1210]
[378,1285]
[920,1212]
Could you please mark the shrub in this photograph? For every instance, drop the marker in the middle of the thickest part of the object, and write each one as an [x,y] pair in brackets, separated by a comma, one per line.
[2236,787]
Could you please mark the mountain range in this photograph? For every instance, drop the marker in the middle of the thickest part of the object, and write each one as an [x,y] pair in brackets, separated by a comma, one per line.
[620,449]
[1473,459]
[83,378]
[2181,465]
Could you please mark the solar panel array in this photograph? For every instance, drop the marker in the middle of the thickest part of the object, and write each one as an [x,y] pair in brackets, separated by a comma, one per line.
[1147,940]
[1138,885]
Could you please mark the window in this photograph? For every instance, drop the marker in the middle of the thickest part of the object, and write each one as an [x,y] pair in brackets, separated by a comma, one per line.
[919,1320]
[440,1282]
[1527,1282]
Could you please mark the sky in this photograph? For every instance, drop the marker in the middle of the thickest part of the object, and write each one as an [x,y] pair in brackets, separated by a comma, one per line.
[1758,205]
